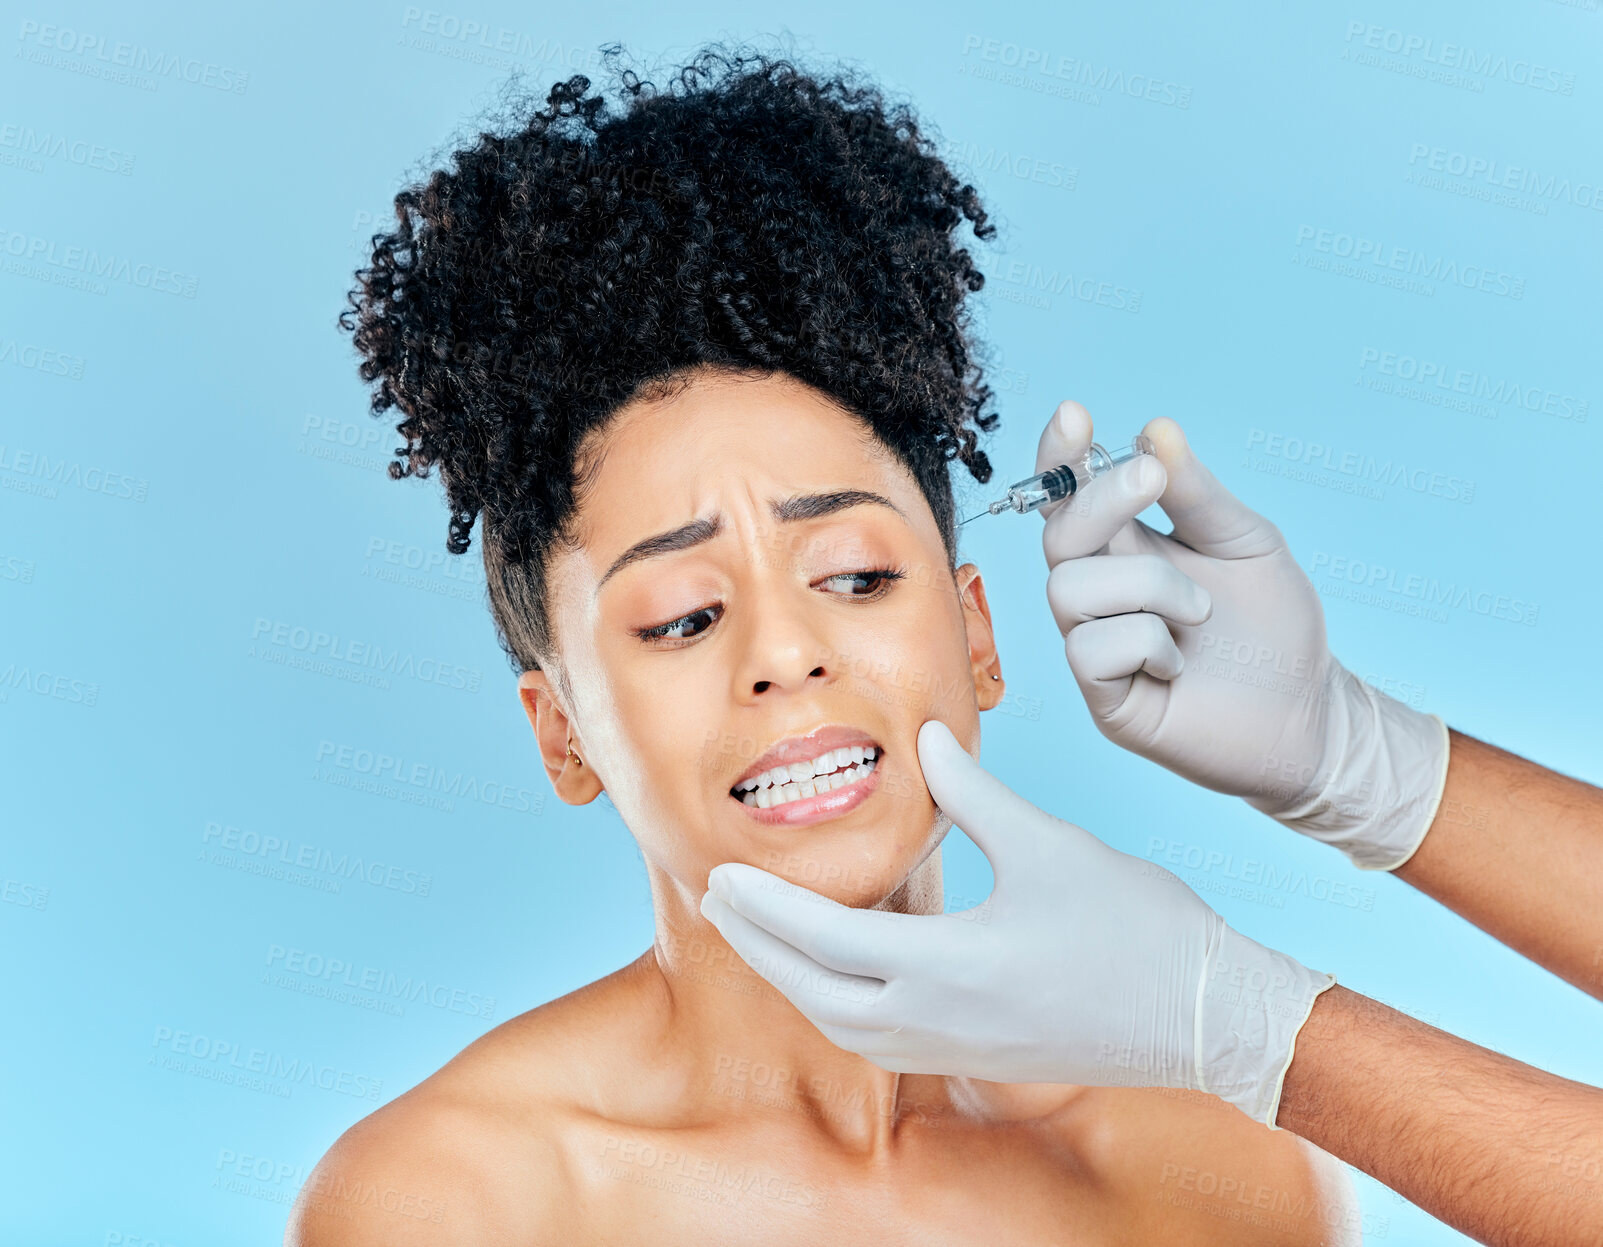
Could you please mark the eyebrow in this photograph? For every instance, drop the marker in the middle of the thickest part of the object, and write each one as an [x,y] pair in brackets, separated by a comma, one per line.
[793,510]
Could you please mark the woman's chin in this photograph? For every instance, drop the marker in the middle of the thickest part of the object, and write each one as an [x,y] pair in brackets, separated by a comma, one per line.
[852,873]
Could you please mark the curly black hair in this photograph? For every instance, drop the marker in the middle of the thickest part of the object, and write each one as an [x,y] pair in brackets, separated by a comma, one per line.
[752,220]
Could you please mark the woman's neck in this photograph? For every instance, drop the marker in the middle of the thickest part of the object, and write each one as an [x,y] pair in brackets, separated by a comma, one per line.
[757,1052]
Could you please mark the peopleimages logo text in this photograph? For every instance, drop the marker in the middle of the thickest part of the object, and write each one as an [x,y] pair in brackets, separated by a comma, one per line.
[424,777]
[1488,280]
[1424,589]
[1508,177]
[135,57]
[1460,57]
[74,259]
[1473,383]
[1387,471]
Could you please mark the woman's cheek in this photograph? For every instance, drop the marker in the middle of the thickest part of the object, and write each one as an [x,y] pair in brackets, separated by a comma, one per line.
[905,786]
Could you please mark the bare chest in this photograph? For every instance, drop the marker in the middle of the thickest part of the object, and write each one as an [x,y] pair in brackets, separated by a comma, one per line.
[952,1185]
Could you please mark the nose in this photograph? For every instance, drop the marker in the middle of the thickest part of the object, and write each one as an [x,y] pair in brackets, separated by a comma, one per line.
[785,663]
[786,646]
[762,686]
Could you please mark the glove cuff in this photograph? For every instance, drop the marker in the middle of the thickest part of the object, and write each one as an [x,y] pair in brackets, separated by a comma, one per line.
[1379,799]
[1251,1004]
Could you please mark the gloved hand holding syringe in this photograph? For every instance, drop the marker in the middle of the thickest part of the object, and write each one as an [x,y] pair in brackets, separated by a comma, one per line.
[1149,618]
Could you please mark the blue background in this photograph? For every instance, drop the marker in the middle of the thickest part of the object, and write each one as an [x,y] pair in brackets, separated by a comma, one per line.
[189,468]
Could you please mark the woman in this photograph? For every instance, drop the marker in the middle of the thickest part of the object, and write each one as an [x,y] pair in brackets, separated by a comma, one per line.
[700,368]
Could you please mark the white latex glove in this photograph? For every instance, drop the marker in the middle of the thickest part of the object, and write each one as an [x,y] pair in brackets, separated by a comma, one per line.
[1204,650]
[1086,965]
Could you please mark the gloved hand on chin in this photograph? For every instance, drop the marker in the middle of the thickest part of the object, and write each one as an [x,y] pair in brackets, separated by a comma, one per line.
[1089,966]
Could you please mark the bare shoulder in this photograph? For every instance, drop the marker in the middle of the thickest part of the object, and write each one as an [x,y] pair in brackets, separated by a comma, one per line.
[1188,1159]
[425,1169]
[476,1153]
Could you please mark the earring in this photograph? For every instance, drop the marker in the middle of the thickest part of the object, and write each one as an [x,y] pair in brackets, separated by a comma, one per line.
[575,756]
[996,677]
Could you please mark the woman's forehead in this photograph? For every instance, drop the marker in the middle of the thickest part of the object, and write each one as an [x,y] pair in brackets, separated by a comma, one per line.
[665,464]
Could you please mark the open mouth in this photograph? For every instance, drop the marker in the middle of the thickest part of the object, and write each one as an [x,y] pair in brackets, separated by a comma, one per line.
[831,769]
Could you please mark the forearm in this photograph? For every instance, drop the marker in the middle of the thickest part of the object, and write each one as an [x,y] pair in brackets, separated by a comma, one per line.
[1518,850]
[1495,1148]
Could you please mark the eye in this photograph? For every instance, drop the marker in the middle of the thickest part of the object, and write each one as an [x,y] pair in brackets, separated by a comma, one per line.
[880,578]
[669,630]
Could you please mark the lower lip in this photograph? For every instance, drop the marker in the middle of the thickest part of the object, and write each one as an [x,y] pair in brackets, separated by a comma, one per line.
[816,809]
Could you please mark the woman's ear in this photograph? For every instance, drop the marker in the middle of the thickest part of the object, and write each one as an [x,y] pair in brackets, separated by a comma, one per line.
[561,752]
[984,662]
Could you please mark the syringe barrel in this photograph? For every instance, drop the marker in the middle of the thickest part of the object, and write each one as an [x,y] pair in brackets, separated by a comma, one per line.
[1036,491]
[1067,479]
[1140,444]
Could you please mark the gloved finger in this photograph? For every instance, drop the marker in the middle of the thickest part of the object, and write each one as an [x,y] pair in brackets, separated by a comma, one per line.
[820,993]
[1009,830]
[1085,522]
[889,1050]
[851,1038]
[1206,516]
[897,1063]
[1119,584]
[866,942]
[1064,440]
[1105,654]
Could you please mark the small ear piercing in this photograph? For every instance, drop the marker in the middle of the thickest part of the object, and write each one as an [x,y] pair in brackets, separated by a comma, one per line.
[575,756]
[996,677]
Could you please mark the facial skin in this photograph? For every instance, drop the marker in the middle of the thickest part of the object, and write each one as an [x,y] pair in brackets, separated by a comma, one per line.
[775,634]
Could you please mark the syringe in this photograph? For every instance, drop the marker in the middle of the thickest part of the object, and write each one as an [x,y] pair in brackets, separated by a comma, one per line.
[1065,480]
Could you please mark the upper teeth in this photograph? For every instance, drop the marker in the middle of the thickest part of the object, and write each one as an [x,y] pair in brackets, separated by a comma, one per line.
[803,772]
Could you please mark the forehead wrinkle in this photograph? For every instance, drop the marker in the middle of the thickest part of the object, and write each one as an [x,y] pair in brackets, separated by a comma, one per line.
[795,509]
